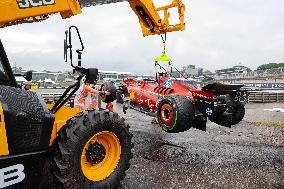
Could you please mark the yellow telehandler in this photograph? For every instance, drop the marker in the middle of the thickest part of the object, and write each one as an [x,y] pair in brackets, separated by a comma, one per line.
[74,149]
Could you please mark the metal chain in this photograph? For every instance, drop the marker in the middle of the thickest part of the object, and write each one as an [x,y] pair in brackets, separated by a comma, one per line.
[164,39]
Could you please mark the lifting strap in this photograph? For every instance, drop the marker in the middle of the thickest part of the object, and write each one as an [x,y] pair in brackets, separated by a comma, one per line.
[163,57]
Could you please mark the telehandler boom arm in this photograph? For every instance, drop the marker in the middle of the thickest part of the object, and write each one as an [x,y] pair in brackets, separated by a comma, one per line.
[27,11]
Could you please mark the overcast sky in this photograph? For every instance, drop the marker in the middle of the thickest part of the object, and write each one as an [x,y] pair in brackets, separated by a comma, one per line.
[219,34]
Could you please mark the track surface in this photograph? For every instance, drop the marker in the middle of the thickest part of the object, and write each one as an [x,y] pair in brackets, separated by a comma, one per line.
[244,156]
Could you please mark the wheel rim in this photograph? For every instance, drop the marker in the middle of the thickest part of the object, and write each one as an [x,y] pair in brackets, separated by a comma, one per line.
[100,156]
[167,114]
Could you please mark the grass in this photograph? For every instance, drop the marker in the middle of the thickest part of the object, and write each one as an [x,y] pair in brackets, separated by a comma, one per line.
[270,124]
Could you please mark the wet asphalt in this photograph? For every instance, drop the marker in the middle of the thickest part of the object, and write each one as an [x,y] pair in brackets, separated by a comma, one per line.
[244,156]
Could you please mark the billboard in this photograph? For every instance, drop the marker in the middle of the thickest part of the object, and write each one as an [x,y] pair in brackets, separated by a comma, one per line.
[265,85]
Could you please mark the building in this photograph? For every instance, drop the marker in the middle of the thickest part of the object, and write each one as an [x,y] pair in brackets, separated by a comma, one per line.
[56,76]
[191,71]
[53,79]
[234,71]
[176,74]
[113,75]
[20,80]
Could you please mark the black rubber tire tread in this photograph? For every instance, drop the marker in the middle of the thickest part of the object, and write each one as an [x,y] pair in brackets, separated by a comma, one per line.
[72,139]
[236,110]
[184,110]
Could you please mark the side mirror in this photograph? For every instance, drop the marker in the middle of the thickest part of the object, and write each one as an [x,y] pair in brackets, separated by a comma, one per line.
[65,46]
[68,46]
[28,76]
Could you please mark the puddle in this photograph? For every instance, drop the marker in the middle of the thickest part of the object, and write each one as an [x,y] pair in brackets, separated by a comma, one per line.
[162,152]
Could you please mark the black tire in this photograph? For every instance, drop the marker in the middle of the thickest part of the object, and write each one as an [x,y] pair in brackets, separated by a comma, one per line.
[71,142]
[183,114]
[233,115]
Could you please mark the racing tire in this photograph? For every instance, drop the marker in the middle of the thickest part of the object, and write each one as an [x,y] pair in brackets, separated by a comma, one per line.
[93,151]
[233,115]
[175,114]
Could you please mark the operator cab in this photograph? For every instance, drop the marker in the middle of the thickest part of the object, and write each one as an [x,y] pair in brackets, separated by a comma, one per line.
[6,75]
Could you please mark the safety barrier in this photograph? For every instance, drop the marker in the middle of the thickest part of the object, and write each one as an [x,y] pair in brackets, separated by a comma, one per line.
[52,97]
[265,97]
[254,97]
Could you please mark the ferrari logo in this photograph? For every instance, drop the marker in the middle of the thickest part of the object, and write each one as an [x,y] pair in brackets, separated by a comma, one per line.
[132,95]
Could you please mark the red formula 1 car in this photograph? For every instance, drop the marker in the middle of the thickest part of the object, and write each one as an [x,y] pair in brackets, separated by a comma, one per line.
[178,107]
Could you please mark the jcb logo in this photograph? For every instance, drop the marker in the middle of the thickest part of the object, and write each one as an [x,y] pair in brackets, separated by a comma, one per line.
[11,175]
[34,3]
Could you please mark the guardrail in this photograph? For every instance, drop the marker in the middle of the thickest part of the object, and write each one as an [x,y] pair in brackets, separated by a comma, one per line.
[265,97]
[254,97]
[52,97]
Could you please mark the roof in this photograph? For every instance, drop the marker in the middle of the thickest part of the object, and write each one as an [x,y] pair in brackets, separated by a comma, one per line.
[115,72]
[47,80]
[20,79]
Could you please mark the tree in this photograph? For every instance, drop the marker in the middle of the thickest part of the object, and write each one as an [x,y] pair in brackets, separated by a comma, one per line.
[270,66]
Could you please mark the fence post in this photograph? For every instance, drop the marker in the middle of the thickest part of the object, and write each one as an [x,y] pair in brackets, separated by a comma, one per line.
[255,95]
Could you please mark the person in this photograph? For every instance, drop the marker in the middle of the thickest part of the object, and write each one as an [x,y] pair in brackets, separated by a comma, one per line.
[27,86]
[109,105]
[90,97]
[86,98]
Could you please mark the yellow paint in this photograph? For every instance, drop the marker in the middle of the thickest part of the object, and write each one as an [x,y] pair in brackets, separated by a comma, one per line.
[102,170]
[132,95]
[63,115]
[160,25]
[34,86]
[10,11]
[4,150]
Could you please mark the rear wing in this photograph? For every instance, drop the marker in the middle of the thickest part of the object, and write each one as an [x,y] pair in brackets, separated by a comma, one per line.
[218,88]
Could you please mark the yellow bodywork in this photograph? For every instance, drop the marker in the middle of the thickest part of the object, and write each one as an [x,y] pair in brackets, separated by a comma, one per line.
[21,11]
[64,114]
[3,137]
[10,10]
[150,20]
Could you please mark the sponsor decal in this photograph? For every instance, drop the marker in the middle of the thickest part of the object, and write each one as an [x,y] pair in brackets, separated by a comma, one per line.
[201,96]
[23,4]
[209,111]
[132,95]
[11,175]
[265,85]
[168,83]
